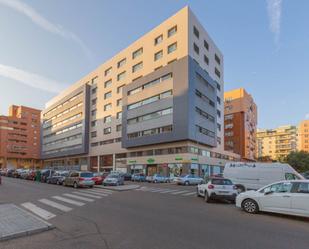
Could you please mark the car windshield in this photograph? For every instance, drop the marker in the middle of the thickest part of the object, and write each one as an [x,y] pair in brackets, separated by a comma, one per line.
[222,182]
[86,174]
[113,176]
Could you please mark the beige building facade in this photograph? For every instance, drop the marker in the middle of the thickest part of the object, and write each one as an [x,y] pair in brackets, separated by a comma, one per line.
[156,106]
[303,136]
[276,143]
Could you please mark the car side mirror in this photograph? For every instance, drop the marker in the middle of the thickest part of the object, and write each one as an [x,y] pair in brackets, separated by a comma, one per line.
[268,192]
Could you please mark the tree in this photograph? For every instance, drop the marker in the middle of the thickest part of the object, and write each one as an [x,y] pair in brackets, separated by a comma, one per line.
[265,159]
[298,160]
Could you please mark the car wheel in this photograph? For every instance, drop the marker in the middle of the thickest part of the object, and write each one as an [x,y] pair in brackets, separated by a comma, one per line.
[250,206]
[155,181]
[58,183]
[91,186]
[206,197]
[75,185]
[187,183]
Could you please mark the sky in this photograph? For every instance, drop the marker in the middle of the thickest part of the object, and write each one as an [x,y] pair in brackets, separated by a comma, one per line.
[45,46]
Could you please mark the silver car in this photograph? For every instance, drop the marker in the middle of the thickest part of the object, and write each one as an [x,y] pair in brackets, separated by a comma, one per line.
[189,180]
[113,180]
[79,179]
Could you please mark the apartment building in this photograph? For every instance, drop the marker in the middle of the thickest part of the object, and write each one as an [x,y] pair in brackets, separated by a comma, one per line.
[303,136]
[156,106]
[20,138]
[240,123]
[276,143]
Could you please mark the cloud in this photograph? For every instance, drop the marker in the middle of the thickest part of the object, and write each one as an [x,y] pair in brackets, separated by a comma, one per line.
[274,8]
[42,22]
[31,79]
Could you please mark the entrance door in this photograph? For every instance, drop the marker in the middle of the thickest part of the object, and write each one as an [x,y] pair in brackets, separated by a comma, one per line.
[151,170]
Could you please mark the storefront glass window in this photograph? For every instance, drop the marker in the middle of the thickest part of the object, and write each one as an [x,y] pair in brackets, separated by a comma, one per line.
[205,171]
[175,169]
[194,169]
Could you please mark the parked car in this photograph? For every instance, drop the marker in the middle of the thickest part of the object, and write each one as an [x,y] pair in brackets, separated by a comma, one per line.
[157,178]
[10,173]
[252,176]
[79,179]
[138,177]
[285,197]
[127,176]
[46,173]
[217,189]
[3,172]
[97,178]
[113,180]
[31,175]
[189,180]
[24,174]
[57,178]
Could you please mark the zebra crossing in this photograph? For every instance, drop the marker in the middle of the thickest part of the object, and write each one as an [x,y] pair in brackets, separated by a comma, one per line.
[46,208]
[167,191]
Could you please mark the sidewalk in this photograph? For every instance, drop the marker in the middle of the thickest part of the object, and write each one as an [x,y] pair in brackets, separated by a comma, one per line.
[16,222]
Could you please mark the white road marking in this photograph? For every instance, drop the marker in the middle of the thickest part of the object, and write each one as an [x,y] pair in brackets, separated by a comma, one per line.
[155,190]
[99,191]
[191,193]
[55,205]
[169,191]
[179,192]
[87,195]
[79,197]
[38,211]
[95,193]
[103,189]
[73,202]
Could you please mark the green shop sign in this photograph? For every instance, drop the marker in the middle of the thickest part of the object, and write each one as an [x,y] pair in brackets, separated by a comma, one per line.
[132,161]
[178,158]
[194,159]
[150,160]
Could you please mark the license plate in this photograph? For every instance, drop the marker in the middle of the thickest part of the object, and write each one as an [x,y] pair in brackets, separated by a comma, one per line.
[223,192]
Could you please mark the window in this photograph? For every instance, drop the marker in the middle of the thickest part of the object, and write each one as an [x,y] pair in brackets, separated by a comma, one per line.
[107,107]
[172,31]
[171,48]
[158,40]
[196,48]
[206,45]
[119,88]
[121,76]
[218,86]
[121,62]
[206,60]
[205,114]
[150,116]
[303,188]
[137,53]
[108,71]
[119,127]
[94,90]
[278,188]
[107,130]
[217,59]
[137,67]
[93,134]
[158,55]
[107,119]
[196,32]
[119,102]
[94,112]
[94,81]
[218,113]
[119,115]
[150,132]
[204,98]
[205,131]
[94,101]
[108,83]
[217,72]
[107,95]
[93,123]
[218,100]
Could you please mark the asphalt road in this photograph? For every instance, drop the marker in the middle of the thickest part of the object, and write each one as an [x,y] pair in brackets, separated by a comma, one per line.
[140,219]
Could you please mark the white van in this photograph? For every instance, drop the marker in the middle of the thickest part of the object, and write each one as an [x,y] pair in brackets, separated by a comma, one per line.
[253,176]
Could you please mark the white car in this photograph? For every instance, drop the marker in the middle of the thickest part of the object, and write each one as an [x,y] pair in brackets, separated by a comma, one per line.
[217,189]
[285,197]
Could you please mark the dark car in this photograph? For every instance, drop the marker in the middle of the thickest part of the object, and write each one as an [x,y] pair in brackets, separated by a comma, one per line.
[10,172]
[127,176]
[57,178]
[46,173]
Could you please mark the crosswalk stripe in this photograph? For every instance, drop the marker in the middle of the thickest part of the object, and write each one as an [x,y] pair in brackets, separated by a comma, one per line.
[38,211]
[169,191]
[87,195]
[98,191]
[79,197]
[190,193]
[103,189]
[73,202]
[179,192]
[156,190]
[55,205]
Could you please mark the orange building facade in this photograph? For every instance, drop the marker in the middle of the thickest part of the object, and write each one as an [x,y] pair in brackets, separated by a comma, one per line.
[20,138]
[303,136]
[240,122]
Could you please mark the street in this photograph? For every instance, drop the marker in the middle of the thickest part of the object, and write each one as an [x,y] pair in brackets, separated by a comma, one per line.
[153,216]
